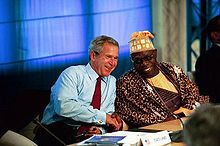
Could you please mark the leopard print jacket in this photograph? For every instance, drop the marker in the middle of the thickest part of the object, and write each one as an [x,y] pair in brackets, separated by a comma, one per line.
[135,98]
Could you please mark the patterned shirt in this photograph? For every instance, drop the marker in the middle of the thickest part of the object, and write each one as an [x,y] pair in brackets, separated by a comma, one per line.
[139,104]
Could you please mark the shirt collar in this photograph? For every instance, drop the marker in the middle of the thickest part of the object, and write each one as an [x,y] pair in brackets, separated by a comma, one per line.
[217,44]
[92,74]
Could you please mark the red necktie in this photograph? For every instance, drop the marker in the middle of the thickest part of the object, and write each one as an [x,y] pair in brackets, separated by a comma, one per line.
[96,102]
[96,99]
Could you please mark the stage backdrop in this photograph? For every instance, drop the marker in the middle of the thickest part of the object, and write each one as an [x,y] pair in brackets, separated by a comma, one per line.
[40,38]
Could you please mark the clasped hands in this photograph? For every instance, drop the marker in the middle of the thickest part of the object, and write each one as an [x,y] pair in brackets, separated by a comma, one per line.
[113,123]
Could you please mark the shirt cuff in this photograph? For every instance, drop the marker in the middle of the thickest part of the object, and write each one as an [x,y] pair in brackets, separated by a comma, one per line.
[102,130]
[101,118]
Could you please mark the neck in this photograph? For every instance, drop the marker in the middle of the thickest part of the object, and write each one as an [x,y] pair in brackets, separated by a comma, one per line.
[156,72]
[218,44]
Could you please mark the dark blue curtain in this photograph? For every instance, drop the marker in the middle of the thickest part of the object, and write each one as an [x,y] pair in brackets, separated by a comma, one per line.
[40,38]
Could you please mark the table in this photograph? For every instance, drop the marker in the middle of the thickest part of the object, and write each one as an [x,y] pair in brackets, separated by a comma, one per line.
[172,125]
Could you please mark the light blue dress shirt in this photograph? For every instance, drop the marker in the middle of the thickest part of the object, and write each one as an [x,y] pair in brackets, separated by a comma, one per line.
[72,94]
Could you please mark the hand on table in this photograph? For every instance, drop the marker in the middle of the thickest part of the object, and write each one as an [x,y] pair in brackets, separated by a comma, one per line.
[183,110]
[92,131]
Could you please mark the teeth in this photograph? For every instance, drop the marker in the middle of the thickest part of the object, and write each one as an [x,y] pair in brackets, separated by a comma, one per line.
[147,69]
[108,68]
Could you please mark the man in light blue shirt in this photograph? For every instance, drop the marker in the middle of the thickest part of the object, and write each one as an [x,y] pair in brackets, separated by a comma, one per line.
[71,96]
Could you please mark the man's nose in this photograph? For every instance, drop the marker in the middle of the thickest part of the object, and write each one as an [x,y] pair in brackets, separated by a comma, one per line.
[113,61]
[145,62]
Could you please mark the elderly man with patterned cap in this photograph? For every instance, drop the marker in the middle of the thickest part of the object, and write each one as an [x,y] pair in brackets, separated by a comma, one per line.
[153,92]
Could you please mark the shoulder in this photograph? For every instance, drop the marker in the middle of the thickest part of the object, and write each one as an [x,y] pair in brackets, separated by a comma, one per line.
[74,70]
[207,59]
[169,65]
[111,79]
[213,53]
[172,68]
[131,77]
[214,48]
[127,75]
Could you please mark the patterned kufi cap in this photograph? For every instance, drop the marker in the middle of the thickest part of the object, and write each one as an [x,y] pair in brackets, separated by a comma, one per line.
[140,41]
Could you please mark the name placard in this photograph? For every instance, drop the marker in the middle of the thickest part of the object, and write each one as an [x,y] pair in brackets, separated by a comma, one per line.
[156,139]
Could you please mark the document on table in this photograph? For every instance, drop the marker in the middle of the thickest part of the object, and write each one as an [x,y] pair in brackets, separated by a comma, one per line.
[129,138]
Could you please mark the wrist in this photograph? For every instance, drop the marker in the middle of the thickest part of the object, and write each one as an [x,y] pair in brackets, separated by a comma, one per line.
[124,126]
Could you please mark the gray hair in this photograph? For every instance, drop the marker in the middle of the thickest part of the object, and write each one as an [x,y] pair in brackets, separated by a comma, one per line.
[97,44]
[203,128]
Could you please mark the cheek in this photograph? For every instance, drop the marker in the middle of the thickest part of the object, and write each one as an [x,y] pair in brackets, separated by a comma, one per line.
[151,62]
[137,66]
[115,63]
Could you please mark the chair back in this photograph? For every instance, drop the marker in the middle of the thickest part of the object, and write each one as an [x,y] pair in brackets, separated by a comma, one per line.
[11,138]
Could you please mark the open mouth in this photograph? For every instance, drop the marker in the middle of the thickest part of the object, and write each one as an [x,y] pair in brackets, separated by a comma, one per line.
[147,69]
[108,68]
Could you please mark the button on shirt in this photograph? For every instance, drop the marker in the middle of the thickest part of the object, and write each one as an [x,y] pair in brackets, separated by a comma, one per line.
[72,94]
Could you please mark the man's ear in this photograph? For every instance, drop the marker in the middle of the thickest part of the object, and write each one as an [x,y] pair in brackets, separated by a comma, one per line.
[215,36]
[92,55]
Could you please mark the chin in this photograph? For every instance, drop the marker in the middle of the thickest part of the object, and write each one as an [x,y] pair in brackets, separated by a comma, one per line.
[147,71]
[106,74]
